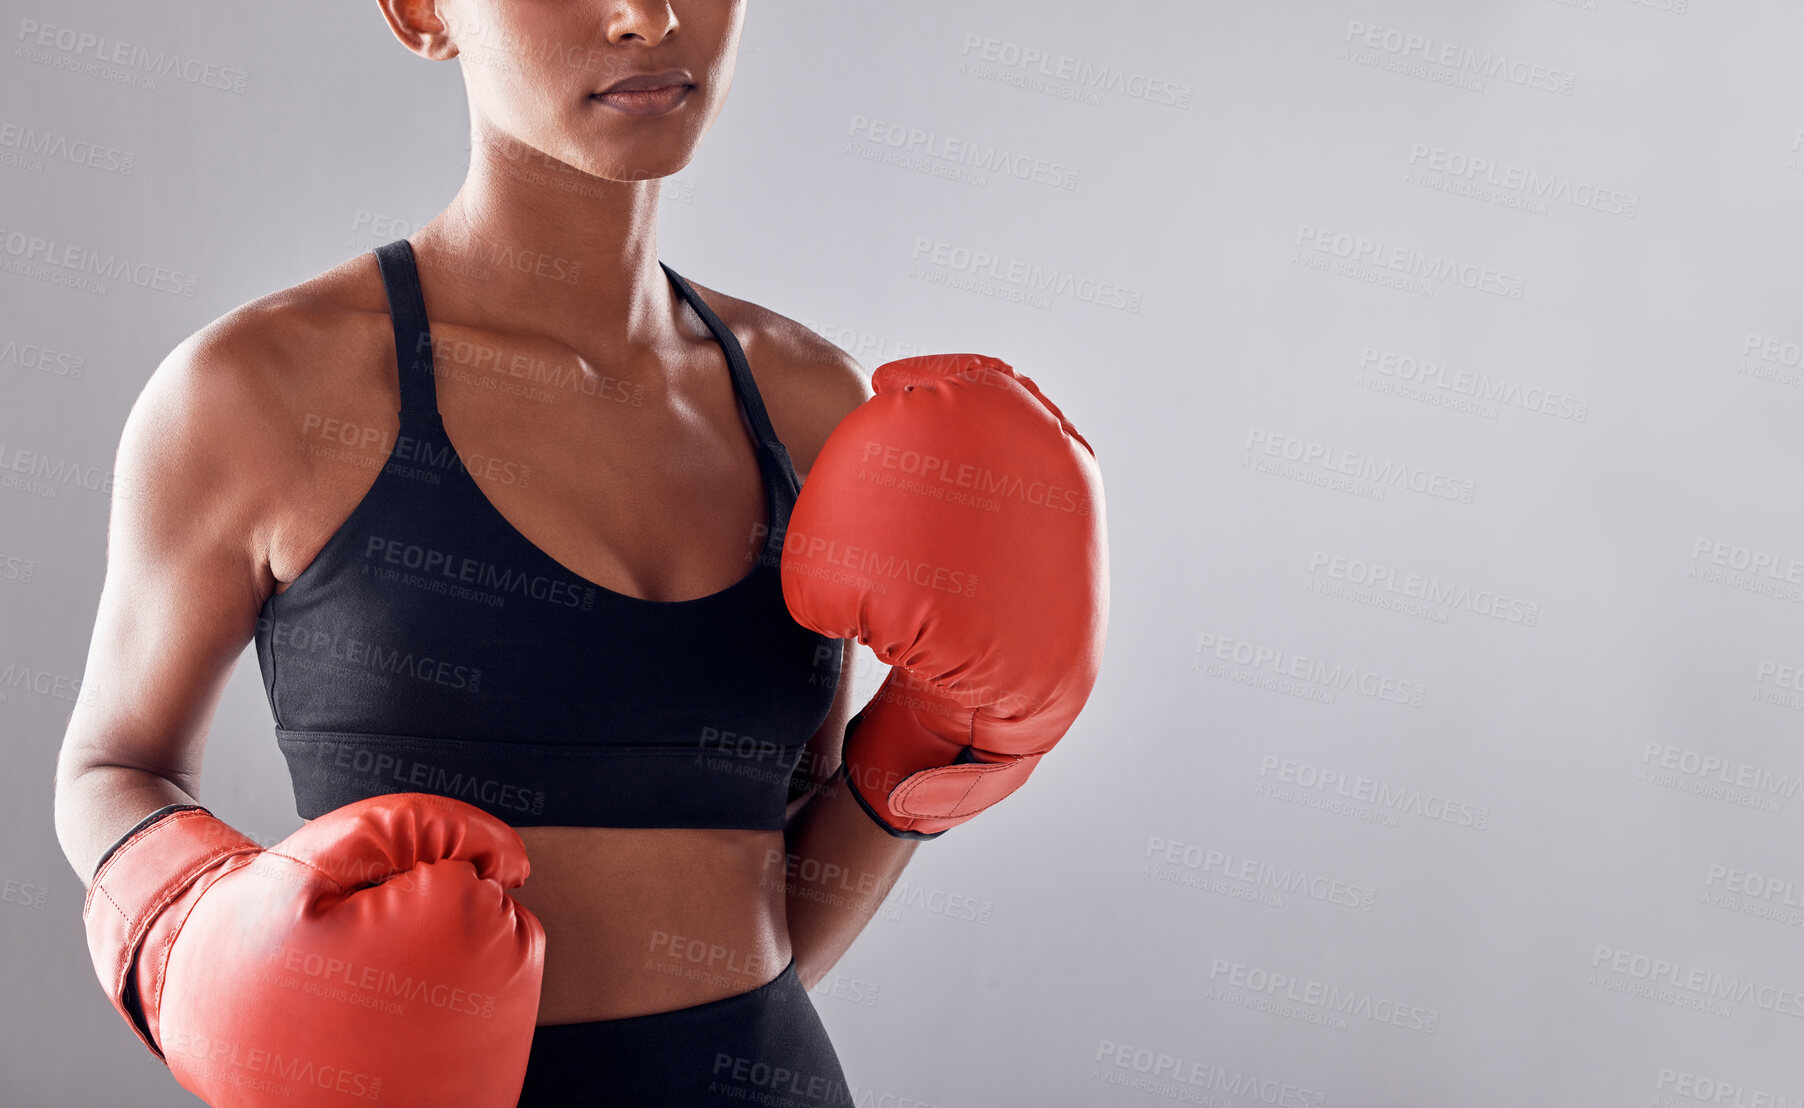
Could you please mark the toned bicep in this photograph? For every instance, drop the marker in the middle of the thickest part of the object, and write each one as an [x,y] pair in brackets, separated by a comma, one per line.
[184,579]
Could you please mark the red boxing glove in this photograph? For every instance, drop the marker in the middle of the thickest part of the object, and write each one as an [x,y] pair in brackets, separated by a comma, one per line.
[954,524]
[372,955]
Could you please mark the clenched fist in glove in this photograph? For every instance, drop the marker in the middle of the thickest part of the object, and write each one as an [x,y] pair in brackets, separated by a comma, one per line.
[372,955]
[954,524]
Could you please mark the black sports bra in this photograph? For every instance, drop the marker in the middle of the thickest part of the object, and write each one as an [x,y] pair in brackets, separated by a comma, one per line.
[431,647]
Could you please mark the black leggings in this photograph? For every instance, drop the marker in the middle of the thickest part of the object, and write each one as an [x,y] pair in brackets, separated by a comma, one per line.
[766,1047]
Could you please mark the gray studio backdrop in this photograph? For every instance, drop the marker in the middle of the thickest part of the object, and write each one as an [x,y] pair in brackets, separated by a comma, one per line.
[1443,363]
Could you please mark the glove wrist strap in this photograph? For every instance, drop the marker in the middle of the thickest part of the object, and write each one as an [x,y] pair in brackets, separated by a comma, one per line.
[139,878]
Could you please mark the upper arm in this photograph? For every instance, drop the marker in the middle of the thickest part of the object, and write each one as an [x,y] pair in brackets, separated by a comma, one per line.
[185,578]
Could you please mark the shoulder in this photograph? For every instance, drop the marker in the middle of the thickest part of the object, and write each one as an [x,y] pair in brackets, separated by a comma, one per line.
[220,414]
[283,345]
[808,382]
[268,359]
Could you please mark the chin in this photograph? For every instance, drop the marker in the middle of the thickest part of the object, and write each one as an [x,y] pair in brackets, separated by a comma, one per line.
[643,168]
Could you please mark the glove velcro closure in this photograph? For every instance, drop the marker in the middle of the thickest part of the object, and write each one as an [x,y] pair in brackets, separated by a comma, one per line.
[914,782]
[958,792]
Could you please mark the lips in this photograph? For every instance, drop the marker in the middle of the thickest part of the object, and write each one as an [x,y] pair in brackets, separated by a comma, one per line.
[652,101]
[644,81]
[647,93]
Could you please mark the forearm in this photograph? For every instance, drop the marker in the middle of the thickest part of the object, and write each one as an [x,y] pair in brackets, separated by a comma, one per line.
[839,867]
[97,805]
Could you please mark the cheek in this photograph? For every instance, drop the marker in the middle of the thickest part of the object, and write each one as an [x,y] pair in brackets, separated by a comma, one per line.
[714,27]
[531,95]
[517,50]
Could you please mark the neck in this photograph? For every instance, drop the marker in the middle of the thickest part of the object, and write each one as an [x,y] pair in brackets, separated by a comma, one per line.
[532,244]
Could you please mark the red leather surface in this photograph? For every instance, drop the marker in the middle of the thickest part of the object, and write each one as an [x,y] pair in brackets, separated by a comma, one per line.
[954,523]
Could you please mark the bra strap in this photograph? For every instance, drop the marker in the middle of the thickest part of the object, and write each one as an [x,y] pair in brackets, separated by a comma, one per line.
[741,373]
[413,336]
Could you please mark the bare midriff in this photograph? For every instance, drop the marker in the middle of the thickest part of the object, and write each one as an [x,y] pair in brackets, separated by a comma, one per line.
[644,920]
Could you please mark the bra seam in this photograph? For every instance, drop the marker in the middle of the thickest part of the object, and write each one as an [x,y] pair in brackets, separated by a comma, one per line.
[426,742]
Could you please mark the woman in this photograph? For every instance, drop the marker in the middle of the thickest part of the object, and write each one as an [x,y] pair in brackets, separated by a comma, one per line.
[612,456]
